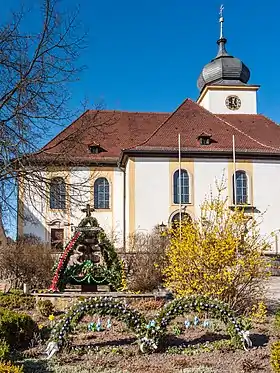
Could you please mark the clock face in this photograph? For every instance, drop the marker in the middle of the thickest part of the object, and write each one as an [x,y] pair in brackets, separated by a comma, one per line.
[233,102]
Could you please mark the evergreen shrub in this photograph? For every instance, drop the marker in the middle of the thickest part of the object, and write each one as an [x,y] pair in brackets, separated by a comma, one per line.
[15,328]
[46,308]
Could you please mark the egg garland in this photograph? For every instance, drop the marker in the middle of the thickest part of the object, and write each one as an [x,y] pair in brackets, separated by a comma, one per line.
[149,333]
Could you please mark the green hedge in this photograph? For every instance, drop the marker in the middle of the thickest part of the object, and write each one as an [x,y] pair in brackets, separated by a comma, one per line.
[15,328]
[15,300]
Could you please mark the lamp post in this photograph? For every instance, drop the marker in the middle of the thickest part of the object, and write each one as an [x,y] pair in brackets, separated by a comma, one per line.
[162,227]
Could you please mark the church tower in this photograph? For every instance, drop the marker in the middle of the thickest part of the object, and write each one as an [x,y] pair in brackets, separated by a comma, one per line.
[223,83]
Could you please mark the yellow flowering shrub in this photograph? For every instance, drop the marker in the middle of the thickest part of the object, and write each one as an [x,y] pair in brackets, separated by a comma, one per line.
[219,255]
[275,357]
[259,312]
[8,367]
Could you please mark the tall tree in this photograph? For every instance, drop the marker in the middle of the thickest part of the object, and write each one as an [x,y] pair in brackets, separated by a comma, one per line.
[35,69]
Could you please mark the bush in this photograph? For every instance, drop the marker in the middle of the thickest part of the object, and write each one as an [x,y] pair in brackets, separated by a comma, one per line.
[148,305]
[45,307]
[275,357]
[220,255]
[277,320]
[4,350]
[144,263]
[15,328]
[16,301]
[27,261]
[10,368]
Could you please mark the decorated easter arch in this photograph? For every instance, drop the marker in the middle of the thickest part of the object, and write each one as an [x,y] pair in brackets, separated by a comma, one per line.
[214,309]
[101,306]
[149,333]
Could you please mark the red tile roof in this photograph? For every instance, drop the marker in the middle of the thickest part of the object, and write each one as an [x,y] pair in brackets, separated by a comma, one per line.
[112,130]
[116,131]
[252,132]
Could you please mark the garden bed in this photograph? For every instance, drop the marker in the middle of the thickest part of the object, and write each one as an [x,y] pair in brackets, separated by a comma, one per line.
[116,350]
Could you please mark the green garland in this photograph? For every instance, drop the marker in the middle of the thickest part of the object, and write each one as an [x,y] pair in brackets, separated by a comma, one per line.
[151,333]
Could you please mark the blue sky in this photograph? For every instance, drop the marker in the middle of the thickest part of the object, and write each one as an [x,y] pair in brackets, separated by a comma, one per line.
[146,55]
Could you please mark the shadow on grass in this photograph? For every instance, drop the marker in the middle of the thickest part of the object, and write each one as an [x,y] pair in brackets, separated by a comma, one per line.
[114,343]
[259,340]
[172,340]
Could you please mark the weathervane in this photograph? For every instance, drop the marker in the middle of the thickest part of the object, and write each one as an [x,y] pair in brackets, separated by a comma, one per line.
[221,20]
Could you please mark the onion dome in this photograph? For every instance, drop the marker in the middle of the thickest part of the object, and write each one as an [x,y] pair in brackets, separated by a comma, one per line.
[224,69]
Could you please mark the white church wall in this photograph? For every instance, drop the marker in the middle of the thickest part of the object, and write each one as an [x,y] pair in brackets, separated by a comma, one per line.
[32,204]
[80,192]
[215,101]
[152,192]
[206,174]
[266,187]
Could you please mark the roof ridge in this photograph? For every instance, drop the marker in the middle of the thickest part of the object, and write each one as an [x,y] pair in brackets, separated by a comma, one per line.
[160,126]
[130,112]
[245,134]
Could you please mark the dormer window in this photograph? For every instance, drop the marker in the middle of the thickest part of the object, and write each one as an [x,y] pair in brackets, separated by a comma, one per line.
[204,138]
[96,149]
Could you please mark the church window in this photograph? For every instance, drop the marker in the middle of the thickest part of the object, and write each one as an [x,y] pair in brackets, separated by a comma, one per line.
[241,188]
[101,193]
[57,193]
[184,218]
[185,187]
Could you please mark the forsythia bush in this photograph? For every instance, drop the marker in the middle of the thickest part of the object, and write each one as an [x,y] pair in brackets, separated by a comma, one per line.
[220,255]
[275,357]
[10,368]
[259,312]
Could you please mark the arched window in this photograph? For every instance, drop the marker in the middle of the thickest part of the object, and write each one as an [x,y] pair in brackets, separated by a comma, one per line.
[57,193]
[101,193]
[184,218]
[241,188]
[185,187]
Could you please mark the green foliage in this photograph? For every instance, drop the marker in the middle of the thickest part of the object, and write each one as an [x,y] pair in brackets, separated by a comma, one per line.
[4,350]
[45,307]
[275,357]
[17,329]
[8,367]
[16,300]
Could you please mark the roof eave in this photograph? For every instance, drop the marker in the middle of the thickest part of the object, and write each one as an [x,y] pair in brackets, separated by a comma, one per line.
[226,154]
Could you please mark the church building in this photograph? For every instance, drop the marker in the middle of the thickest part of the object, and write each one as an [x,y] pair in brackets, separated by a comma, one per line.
[125,165]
